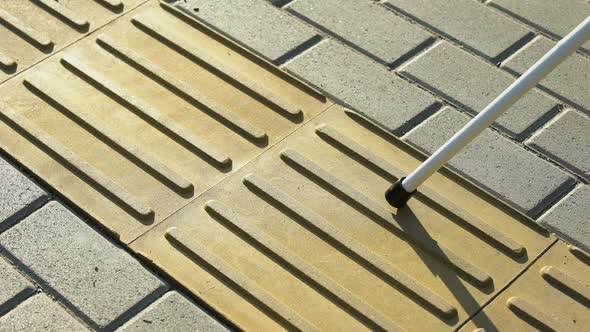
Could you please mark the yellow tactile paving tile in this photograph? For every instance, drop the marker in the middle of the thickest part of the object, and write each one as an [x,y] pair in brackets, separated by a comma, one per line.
[302,238]
[30,30]
[552,295]
[137,119]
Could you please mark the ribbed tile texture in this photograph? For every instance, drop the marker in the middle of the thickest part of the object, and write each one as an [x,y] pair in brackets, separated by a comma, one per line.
[367,45]
[133,122]
[158,127]
[302,238]
[31,30]
[552,295]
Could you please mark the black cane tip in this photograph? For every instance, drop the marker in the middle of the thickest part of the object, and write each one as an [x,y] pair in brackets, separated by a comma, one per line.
[397,196]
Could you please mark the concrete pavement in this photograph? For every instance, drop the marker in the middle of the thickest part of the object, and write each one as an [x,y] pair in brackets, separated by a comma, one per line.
[420,69]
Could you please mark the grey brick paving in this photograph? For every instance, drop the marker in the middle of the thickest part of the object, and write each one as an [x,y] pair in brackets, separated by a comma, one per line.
[363,85]
[39,313]
[521,178]
[554,17]
[13,287]
[255,23]
[568,81]
[569,219]
[364,25]
[17,195]
[470,83]
[172,312]
[467,22]
[96,279]
[567,141]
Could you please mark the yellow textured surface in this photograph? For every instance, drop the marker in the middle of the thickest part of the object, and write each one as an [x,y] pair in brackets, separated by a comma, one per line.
[552,295]
[32,30]
[251,191]
[303,238]
[135,120]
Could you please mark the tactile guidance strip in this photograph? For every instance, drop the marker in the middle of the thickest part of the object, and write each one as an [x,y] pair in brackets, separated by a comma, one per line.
[135,120]
[303,239]
[552,295]
[30,30]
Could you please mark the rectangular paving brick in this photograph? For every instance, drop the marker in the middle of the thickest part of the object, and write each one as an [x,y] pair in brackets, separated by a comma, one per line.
[513,174]
[555,18]
[18,195]
[39,313]
[569,81]
[567,141]
[363,85]
[365,26]
[96,279]
[468,22]
[470,83]
[569,218]
[13,287]
[172,312]
[302,238]
[256,24]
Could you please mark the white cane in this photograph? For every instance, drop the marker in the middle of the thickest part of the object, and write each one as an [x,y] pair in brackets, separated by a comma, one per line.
[401,191]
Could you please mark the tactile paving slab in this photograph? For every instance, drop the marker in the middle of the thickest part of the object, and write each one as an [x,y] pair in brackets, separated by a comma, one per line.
[137,119]
[552,295]
[32,30]
[302,238]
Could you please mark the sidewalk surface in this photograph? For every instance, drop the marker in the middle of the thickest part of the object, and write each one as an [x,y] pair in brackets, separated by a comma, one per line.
[263,209]
[423,68]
